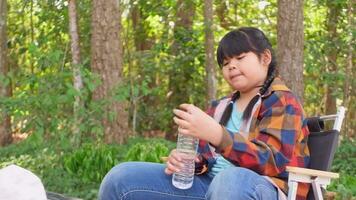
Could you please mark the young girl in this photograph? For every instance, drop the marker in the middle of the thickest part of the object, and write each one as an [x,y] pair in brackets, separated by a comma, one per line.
[246,139]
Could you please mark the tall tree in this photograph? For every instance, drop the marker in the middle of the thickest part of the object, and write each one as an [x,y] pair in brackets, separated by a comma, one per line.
[350,86]
[141,38]
[5,89]
[5,128]
[77,79]
[106,61]
[143,43]
[209,50]
[331,50]
[290,44]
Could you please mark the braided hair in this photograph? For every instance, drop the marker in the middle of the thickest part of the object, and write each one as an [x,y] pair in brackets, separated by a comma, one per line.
[244,40]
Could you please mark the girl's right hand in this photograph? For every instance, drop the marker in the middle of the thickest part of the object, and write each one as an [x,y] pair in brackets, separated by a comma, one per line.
[174,162]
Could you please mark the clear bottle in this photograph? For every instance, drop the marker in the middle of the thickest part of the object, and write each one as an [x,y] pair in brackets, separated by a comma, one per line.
[187,147]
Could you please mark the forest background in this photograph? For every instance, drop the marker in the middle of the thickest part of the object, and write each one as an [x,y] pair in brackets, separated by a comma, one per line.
[87,84]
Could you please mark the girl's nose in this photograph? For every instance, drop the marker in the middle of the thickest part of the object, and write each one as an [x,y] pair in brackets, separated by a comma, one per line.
[232,66]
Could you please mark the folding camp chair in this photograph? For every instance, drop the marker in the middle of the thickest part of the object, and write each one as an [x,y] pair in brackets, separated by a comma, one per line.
[322,145]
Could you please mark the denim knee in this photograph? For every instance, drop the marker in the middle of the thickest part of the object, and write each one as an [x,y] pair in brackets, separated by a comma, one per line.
[113,184]
[240,183]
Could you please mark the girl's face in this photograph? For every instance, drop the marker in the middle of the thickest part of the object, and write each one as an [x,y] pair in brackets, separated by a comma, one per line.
[246,71]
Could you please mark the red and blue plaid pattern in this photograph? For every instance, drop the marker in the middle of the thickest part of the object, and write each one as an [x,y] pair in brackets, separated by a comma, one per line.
[277,138]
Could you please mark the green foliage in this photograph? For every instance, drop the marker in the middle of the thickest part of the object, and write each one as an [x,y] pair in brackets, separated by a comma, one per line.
[39,162]
[45,106]
[91,162]
[345,157]
[77,172]
[149,152]
[45,159]
[345,164]
[345,186]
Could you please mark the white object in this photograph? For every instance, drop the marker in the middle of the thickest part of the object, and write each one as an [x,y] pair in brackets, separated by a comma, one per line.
[17,183]
[187,147]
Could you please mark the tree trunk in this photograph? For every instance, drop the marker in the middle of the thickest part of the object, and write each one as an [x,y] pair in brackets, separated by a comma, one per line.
[106,61]
[141,38]
[349,87]
[224,19]
[77,79]
[209,50]
[331,54]
[290,44]
[143,43]
[5,126]
[185,14]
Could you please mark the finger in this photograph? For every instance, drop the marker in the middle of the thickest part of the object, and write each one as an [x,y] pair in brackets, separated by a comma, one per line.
[172,167]
[181,122]
[186,107]
[181,114]
[175,156]
[176,159]
[198,158]
[168,171]
[176,163]
[183,131]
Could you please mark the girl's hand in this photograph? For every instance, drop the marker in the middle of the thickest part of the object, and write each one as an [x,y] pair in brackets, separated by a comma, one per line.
[174,162]
[191,120]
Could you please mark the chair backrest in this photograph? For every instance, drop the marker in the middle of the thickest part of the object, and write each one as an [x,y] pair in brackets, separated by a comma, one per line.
[323,143]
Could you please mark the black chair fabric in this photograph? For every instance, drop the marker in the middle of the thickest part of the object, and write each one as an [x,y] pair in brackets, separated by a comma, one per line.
[322,145]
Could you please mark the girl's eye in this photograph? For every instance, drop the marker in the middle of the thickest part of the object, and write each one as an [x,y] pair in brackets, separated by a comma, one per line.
[226,62]
[240,57]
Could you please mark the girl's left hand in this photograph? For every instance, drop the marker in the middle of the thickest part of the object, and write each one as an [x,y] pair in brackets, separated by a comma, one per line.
[191,120]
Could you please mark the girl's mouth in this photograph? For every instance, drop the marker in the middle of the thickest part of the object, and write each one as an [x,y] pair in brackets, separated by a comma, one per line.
[234,76]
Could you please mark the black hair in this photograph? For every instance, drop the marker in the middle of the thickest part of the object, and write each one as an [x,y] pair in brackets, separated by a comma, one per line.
[244,40]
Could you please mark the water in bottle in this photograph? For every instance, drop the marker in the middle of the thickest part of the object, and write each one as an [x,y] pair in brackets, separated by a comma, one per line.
[187,147]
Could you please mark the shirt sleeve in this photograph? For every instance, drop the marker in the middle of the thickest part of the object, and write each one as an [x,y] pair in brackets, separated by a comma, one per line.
[274,138]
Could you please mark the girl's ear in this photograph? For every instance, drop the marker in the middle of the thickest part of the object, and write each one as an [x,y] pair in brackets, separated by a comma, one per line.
[266,57]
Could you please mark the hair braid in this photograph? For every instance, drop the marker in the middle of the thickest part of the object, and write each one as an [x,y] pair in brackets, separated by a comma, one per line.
[228,110]
[270,77]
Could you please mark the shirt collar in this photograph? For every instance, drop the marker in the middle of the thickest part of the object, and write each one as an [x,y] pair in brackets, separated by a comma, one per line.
[276,85]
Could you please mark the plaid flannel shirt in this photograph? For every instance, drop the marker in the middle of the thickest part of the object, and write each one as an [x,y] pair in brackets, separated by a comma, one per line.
[276,138]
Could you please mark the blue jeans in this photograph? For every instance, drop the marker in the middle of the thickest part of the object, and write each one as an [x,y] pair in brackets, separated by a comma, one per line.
[147,181]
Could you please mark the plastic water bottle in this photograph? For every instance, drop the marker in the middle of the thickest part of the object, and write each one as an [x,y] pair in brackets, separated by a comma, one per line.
[187,147]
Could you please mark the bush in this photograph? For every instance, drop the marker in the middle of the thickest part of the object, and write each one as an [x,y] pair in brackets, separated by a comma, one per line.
[147,151]
[345,164]
[345,158]
[78,172]
[91,161]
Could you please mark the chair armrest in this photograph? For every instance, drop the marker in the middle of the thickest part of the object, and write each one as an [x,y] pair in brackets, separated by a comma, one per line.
[312,172]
